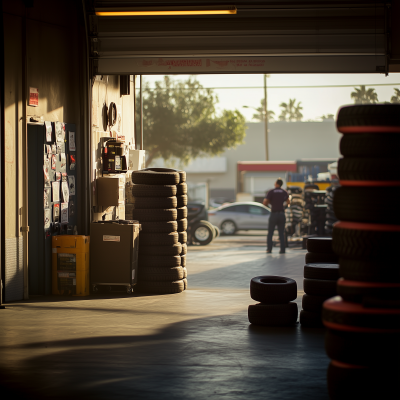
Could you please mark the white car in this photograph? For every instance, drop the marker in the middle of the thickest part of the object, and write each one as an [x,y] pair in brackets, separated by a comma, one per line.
[240,216]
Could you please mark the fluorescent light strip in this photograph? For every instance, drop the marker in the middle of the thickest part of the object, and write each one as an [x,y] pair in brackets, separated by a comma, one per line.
[104,12]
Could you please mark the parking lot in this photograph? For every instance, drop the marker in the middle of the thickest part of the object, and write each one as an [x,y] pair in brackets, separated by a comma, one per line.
[193,345]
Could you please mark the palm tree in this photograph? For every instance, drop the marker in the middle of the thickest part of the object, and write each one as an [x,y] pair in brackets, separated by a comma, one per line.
[291,111]
[364,96]
[396,97]
[260,116]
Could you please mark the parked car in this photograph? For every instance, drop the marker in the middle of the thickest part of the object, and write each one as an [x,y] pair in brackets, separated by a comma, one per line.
[200,230]
[240,216]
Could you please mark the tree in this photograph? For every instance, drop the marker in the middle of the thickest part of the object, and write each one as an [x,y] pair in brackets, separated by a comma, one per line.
[396,97]
[291,111]
[364,96]
[260,116]
[180,120]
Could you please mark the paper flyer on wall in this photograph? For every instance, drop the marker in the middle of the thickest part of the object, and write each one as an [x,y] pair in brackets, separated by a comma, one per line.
[46,172]
[56,213]
[64,177]
[48,149]
[56,191]
[72,162]
[46,198]
[59,131]
[47,218]
[71,184]
[64,213]
[53,148]
[63,162]
[71,137]
[65,192]
[58,176]
[53,161]
[59,148]
[49,130]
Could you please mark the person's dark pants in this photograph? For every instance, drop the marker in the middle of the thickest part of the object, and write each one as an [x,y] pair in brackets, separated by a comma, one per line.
[276,219]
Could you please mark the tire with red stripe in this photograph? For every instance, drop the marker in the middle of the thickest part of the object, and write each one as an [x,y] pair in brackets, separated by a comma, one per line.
[369,118]
[351,382]
[367,204]
[343,315]
[363,348]
[361,292]
[366,241]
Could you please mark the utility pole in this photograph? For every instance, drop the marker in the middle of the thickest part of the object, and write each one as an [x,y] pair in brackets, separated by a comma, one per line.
[266,118]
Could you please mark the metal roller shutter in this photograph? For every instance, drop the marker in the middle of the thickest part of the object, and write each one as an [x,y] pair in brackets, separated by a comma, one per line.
[264,36]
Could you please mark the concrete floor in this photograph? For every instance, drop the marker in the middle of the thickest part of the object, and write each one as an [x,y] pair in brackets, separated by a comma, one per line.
[193,345]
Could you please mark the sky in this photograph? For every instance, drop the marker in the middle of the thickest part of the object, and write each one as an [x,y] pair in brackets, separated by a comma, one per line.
[315,101]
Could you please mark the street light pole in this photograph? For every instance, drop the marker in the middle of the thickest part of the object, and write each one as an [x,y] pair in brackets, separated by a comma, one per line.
[266,118]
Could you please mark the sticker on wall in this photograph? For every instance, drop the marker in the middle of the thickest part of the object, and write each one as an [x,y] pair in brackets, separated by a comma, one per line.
[63,162]
[53,161]
[71,185]
[49,130]
[47,218]
[46,198]
[46,172]
[63,131]
[56,191]
[64,213]
[72,162]
[33,97]
[53,148]
[59,148]
[65,192]
[48,149]
[58,176]
[71,138]
[64,177]
[56,213]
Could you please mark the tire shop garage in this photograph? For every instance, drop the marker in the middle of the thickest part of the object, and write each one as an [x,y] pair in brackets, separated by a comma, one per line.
[75,67]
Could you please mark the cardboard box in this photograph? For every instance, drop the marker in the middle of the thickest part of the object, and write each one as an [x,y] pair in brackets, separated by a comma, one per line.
[114,253]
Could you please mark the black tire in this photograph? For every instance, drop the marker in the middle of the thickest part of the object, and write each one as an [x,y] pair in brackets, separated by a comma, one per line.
[370,145]
[184,249]
[160,287]
[159,261]
[310,319]
[365,244]
[319,245]
[154,202]
[152,177]
[312,303]
[183,260]
[339,313]
[184,270]
[182,174]
[350,382]
[202,233]
[228,227]
[364,118]
[319,287]
[361,292]
[269,289]
[311,186]
[322,271]
[368,169]
[182,237]
[185,283]
[158,239]
[362,348]
[154,190]
[182,225]
[160,274]
[367,204]
[182,201]
[181,189]
[159,226]
[182,212]
[174,250]
[368,270]
[217,232]
[154,215]
[325,258]
[273,314]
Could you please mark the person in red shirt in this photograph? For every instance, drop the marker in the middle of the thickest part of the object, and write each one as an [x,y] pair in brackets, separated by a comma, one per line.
[275,198]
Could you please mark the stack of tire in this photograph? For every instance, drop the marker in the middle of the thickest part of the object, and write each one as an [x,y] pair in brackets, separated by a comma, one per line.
[330,213]
[276,295]
[321,273]
[363,340]
[314,202]
[162,215]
